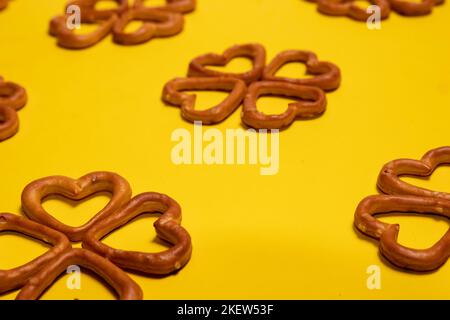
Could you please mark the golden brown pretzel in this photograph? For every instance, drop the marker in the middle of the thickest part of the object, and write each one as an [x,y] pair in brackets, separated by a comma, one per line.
[9,122]
[156,24]
[348,8]
[327,76]
[389,178]
[92,183]
[254,51]
[409,8]
[12,95]
[172,94]
[67,38]
[404,257]
[15,278]
[167,226]
[302,109]
[182,6]
[90,13]
[126,288]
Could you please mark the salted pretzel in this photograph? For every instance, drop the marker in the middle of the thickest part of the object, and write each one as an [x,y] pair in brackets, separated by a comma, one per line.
[253,51]
[389,178]
[348,8]
[409,8]
[156,23]
[167,227]
[92,183]
[125,287]
[327,76]
[89,12]
[182,6]
[12,98]
[173,94]
[67,38]
[312,104]
[387,234]
[15,278]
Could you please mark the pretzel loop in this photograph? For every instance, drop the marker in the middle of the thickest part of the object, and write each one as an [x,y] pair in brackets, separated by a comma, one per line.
[14,278]
[12,95]
[314,105]
[118,279]
[90,14]
[167,227]
[9,122]
[348,8]
[409,8]
[181,6]
[37,191]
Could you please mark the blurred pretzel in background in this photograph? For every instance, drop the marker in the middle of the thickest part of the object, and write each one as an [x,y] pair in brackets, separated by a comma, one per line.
[157,21]
[3,4]
[13,97]
[410,8]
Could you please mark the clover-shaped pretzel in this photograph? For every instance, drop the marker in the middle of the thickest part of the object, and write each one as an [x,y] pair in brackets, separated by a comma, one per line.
[327,75]
[173,94]
[409,8]
[312,104]
[126,288]
[156,23]
[12,98]
[167,226]
[14,278]
[387,234]
[253,51]
[92,183]
[389,178]
[348,8]
[67,38]
[182,6]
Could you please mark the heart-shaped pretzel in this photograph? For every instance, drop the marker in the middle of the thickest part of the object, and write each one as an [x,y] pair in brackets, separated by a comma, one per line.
[181,6]
[327,76]
[126,288]
[90,13]
[167,227]
[92,183]
[67,38]
[409,8]
[256,52]
[314,105]
[156,23]
[387,234]
[15,278]
[389,178]
[12,95]
[9,122]
[348,8]
[172,94]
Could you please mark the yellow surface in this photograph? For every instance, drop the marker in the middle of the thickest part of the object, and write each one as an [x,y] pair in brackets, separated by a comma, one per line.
[283,236]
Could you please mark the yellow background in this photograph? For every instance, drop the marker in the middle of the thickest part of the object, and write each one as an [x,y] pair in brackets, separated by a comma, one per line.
[288,236]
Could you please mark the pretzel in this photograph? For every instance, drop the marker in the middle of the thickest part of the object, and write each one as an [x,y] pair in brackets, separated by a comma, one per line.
[79,189]
[409,8]
[256,52]
[348,8]
[387,234]
[181,6]
[389,178]
[3,4]
[90,13]
[12,95]
[167,226]
[327,76]
[126,288]
[9,122]
[172,94]
[67,38]
[15,278]
[156,24]
[302,109]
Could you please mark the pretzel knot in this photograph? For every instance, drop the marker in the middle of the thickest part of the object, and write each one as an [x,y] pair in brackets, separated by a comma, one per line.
[159,21]
[12,98]
[403,197]
[261,80]
[36,276]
